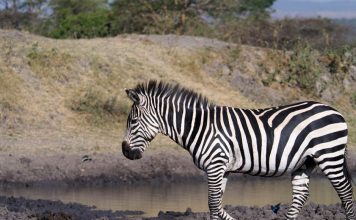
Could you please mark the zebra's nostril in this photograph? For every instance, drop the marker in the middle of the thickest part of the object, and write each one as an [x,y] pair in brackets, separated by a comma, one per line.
[137,155]
[125,146]
[130,153]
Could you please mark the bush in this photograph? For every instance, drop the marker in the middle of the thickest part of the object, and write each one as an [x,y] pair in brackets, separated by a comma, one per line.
[286,34]
[304,68]
[84,25]
[300,68]
[338,60]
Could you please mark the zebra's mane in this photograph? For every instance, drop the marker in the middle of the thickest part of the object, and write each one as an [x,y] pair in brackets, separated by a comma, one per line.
[154,88]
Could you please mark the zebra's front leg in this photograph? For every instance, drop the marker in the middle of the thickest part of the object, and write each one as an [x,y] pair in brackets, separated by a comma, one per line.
[217,179]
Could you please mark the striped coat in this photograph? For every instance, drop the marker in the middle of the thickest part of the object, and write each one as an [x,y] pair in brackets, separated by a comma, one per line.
[290,139]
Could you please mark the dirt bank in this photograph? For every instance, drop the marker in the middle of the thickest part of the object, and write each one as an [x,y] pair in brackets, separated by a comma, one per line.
[97,169]
[20,208]
[105,169]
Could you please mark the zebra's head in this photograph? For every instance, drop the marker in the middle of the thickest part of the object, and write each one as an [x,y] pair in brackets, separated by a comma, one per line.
[142,125]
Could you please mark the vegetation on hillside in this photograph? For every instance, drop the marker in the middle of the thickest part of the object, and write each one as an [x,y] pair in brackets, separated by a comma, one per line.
[75,87]
[80,81]
[242,21]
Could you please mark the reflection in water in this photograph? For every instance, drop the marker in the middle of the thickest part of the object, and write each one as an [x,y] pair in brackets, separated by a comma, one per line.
[178,197]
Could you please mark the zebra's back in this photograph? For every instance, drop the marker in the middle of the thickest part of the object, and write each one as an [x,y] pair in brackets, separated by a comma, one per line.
[270,142]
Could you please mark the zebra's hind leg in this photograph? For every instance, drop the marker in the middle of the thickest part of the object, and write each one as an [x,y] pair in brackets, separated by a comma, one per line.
[217,182]
[300,184]
[335,168]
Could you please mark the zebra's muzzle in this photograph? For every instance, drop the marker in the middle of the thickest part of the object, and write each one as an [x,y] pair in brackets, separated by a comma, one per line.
[130,153]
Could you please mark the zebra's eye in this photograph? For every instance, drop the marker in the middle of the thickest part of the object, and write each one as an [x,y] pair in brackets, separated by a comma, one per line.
[134,120]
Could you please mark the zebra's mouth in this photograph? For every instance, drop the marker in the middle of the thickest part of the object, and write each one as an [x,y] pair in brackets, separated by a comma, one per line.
[130,153]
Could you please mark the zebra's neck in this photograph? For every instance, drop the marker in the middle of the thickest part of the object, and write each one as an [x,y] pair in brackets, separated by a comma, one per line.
[178,121]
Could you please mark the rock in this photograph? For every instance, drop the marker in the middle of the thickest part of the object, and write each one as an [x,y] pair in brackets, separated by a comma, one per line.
[225,70]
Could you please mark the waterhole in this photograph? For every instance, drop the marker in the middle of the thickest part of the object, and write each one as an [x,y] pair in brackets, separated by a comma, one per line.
[177,196]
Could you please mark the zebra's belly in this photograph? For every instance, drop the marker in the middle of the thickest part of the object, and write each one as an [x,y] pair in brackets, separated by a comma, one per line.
[266,169]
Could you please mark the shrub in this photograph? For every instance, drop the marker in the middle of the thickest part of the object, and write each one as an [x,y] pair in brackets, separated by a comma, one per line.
[318,33]
[84,25]
[338,60]
[304,68]
[300,68]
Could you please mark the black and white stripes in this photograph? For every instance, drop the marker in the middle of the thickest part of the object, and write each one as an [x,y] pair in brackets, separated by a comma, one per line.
[265,142]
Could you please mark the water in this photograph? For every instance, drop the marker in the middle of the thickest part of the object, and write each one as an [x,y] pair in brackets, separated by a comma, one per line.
[177,197]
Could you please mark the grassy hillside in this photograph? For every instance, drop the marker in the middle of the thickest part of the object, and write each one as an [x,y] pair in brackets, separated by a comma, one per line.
[68,95]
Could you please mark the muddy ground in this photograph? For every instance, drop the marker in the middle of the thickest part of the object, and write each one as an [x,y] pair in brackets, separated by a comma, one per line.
[97,169]
[109,169]
[105,169]
[311,211]
[20,208]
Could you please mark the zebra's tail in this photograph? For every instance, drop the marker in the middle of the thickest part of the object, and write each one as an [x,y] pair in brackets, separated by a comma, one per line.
[346,168]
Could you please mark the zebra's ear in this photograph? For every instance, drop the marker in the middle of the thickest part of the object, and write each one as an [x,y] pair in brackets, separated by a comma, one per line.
[133,95]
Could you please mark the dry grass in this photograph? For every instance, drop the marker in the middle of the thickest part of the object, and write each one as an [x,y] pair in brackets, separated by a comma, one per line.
[351,120]
[75,88]
[50,65]
[69,94]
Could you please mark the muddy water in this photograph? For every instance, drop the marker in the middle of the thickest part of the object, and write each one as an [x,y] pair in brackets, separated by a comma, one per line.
[177,197]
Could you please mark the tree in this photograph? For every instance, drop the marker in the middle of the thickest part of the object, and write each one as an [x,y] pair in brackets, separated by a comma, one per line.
[167,16]
[20,14]
[256,8]
[99,18]
[80,19]
[84,25]
[145,16]
[63,8]
[35,6]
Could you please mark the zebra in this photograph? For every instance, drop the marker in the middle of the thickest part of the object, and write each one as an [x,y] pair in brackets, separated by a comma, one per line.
[269,142]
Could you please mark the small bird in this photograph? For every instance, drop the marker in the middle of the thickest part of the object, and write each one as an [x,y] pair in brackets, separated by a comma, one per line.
[86,158]
[275,208]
